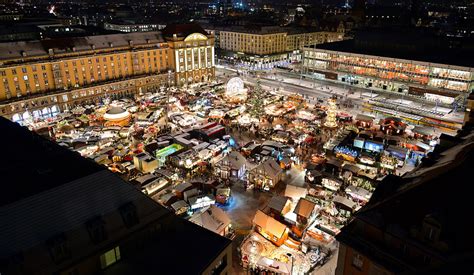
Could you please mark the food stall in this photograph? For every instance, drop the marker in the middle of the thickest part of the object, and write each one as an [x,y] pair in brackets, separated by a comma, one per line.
[331,184]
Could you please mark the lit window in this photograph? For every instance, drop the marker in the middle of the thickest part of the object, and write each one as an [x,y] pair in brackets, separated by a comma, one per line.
[110,257]
[357,261]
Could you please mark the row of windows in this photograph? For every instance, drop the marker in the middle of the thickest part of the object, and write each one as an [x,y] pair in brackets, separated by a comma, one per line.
[391,65]
[76,73]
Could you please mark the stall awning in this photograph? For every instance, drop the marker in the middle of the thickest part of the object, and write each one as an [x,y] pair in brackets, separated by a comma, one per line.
[363,117]
[335,162]
[397,151]
[344,201]
[351,168]
[422,131]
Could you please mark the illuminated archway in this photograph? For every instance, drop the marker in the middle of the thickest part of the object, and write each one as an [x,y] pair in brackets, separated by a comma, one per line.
[195,36]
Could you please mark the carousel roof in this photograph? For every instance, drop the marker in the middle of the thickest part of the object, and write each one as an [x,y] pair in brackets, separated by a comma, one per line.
[115,110]
[116,113]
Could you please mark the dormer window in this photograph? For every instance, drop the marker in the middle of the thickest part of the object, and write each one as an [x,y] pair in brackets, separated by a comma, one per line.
[58,248]
[357,261]
[96,229]
[431,228]
[129,214]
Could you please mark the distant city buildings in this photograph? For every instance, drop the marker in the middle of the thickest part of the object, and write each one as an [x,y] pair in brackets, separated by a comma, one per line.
[133,27]
[264,47]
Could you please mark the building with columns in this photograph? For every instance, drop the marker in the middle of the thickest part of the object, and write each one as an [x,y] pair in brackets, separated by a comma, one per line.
[41,78]
[191,52]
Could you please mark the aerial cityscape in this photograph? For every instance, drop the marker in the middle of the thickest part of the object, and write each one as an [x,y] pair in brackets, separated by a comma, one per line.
[236,137]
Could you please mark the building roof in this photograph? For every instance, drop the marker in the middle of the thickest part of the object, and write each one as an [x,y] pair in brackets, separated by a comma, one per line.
[33,220]
[364,117]
[344,201]
[37,48]
[269,224]
[183,30]
[304,208]
[115,110]
[270,167]
[164,252]
[262,30]
[235,159]
[183,186]
[31,170]
[278,203]
[179,204]
[435,191]
[50,190]
[295,192]
[213,219]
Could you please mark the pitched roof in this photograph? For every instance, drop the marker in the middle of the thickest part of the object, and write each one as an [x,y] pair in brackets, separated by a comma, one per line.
[270,167]
[28,222]
[213,218]
[295,192]
[304,208]
[183,30]
[269,224]
[235,159]
[435,190]
[277,203]
[35,164]
[11,50]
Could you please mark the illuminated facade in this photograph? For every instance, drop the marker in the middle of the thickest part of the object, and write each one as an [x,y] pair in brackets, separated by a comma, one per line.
[123,27]
[433,81]
[265,47]
[42,78]
[191,52]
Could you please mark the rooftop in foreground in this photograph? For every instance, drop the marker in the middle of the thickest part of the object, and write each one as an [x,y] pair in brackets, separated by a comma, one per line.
[31,164]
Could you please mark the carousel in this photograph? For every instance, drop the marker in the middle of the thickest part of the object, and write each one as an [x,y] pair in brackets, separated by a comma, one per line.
[116,116]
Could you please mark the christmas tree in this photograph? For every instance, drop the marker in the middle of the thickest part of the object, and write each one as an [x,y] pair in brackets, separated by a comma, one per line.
[256,101]
[331,114]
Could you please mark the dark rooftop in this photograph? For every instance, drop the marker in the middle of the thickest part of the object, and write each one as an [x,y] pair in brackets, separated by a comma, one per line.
[32,164]
[437,190]
[191,251]
[183,30]
[48,189]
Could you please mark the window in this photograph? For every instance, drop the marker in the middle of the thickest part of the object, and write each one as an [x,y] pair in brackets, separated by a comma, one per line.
[129,215]
[357,261]
[95,226]
[110,257]
[430,234]
[58,248]
[221,265]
